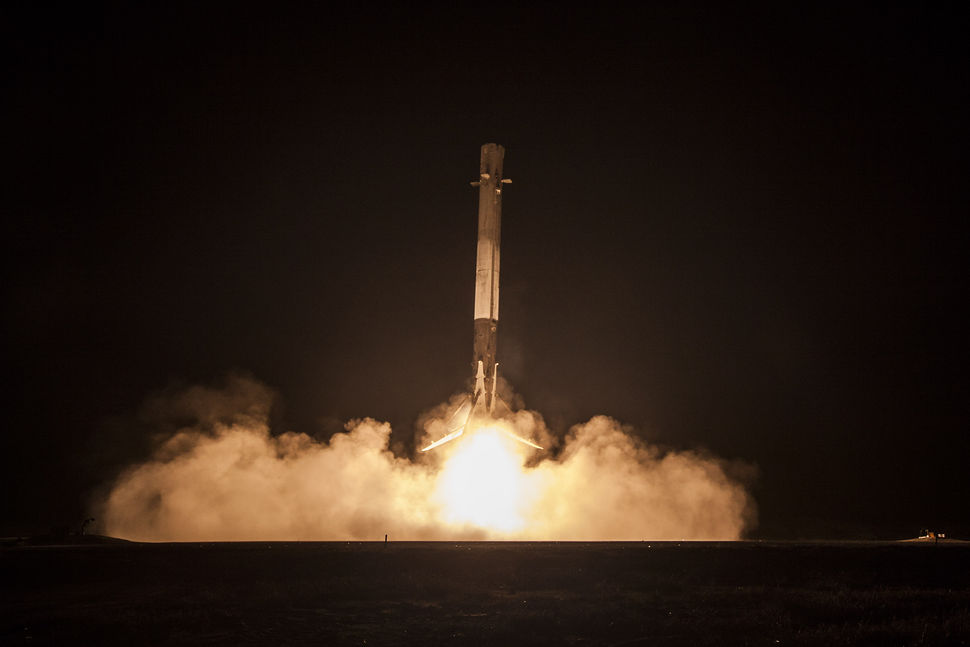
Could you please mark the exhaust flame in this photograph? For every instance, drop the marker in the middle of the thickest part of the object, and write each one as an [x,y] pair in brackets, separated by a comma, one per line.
[483,483]
[226,477]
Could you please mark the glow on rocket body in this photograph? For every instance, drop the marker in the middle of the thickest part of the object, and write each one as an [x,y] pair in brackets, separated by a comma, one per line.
[487,266]
[483,400]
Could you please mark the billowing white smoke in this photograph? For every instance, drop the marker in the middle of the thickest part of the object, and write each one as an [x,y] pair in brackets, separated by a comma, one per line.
[224,476]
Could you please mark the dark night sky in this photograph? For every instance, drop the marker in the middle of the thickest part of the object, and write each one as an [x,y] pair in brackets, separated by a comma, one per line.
[735,229]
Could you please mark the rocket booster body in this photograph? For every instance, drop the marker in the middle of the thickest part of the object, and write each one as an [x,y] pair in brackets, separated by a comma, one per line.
[487,268]
[481,403]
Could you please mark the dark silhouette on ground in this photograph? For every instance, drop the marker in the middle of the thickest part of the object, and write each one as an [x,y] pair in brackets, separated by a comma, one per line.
[740,593]
[60,539]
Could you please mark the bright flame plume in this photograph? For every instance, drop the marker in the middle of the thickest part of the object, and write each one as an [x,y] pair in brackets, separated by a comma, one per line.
[226,477]
[483,482]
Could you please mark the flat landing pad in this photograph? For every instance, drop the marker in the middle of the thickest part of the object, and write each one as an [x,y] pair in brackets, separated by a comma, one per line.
[742,593]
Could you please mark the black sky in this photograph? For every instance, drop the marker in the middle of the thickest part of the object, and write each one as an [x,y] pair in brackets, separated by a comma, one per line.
[736,229]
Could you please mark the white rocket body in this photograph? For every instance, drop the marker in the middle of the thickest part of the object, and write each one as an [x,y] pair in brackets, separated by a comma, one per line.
[487,267]
[483,401]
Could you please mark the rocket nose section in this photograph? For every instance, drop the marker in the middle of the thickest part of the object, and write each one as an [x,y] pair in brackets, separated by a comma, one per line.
[492,155]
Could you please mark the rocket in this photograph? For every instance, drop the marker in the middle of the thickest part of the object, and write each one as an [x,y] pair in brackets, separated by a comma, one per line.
[487,273]
[483,402]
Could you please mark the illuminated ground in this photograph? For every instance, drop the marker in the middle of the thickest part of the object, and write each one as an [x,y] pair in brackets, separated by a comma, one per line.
[487,594]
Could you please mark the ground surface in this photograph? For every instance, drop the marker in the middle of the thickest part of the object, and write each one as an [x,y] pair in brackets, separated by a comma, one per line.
[486,594]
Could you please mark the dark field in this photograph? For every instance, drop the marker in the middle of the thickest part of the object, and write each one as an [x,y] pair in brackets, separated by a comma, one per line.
[745,593]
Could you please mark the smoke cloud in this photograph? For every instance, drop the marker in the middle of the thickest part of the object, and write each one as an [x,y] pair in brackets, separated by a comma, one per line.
[218,473]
